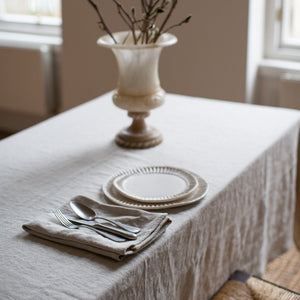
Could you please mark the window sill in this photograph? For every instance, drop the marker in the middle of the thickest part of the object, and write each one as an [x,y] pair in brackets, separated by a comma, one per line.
[275,66]
[13,34]
[35,29]
[24,40]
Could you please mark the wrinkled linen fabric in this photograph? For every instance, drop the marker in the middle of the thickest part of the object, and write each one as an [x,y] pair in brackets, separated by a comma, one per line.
[152,225]
[246,153]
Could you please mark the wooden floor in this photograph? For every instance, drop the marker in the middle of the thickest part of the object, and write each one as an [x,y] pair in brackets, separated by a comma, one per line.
[4,134]
[285,270]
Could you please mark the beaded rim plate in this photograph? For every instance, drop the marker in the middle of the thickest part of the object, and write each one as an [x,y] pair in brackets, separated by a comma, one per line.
[155,184]
[113,195]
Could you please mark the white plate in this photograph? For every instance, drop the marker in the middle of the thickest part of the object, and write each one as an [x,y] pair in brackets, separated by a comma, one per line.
[155,184]
[113,195]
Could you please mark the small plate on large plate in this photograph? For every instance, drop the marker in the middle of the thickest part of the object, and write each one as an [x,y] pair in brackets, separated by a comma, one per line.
[155,184]
[113,195]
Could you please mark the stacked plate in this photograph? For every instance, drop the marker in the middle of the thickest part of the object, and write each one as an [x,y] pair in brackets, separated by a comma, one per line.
[155,187]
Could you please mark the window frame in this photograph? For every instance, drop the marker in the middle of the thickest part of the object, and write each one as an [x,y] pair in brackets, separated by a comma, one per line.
[276,46]
[30,25]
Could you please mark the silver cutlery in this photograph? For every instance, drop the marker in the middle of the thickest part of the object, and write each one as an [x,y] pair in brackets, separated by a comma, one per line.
[112,229]
[65,222]
[87,213]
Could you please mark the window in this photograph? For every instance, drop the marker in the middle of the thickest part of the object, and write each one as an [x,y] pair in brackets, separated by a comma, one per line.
[283,29]
[290,20]
[31,11]
[42,17]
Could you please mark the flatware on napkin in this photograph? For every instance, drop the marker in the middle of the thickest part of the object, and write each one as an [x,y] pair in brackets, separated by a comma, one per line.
[152,225]
[87,213]
[76,225]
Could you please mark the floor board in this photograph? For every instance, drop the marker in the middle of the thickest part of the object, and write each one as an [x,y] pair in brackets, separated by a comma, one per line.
[285,270]
[4,134]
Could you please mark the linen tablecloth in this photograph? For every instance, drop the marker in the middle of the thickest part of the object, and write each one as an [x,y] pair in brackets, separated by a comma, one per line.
[246,153]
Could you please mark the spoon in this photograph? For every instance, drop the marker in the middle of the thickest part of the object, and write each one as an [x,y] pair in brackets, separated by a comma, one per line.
[87,213]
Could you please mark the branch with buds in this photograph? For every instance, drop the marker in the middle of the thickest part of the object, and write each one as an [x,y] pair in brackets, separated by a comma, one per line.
[144,29]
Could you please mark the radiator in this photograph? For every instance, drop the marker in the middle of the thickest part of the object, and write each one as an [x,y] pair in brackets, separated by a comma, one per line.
[289,90]
[26,81]
[279,85]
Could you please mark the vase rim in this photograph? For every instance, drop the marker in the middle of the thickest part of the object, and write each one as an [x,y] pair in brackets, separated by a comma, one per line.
[166,39]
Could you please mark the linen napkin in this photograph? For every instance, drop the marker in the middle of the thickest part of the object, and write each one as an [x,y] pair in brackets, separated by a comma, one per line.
[152,225]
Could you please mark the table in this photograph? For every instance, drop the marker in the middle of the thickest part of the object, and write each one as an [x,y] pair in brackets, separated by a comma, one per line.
[246,153]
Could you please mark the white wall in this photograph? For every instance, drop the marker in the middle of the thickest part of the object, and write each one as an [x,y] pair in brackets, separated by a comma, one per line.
[255,47]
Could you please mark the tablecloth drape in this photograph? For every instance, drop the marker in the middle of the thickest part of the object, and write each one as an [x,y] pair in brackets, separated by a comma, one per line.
[246,153]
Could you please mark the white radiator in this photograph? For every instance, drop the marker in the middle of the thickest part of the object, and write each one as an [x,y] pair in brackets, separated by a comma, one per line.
[289,90]
[25,80]
[27,85]
[279,85]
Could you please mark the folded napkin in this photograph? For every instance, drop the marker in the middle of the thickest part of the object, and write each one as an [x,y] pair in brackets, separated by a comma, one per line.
[152,225]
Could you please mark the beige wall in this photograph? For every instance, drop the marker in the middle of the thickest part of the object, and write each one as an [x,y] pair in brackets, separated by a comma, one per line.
[209,60]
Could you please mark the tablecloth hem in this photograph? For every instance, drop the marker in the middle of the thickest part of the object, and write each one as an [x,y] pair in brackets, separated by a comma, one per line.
[115,256]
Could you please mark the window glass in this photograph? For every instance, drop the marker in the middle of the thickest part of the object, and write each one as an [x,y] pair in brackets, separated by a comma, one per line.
[295,20]
[282,36]
[31,11]
[291,22]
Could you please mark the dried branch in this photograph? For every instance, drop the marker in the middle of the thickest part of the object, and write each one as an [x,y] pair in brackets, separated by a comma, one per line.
[143,29]
[143,6]
[126,18]
[102,22]
[174,3]
[186,20]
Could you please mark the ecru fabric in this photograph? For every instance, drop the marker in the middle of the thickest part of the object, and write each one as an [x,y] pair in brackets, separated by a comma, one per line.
[246,153]
[152,226]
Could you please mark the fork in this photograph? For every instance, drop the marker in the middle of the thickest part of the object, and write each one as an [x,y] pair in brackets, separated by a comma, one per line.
[65,222]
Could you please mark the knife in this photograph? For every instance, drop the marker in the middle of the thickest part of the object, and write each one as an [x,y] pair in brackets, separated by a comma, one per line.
[118,231]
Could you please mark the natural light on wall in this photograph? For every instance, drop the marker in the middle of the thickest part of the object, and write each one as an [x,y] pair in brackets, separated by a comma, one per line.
[44,12]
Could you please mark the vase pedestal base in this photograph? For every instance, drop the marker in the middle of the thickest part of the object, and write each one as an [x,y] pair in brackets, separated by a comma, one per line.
[142,141]
[139,135]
